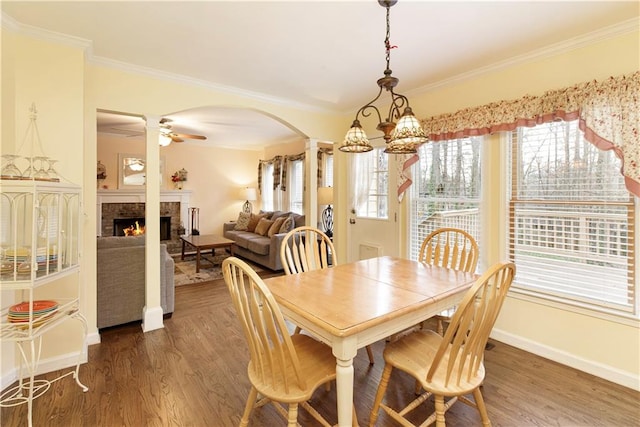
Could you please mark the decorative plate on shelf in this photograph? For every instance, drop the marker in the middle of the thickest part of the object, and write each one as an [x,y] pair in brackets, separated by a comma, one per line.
[39,307]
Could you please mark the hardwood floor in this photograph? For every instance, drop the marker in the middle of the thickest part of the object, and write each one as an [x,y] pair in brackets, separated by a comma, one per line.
[193,373]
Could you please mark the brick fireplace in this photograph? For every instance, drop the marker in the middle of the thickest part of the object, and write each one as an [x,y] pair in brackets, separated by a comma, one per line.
[122,207]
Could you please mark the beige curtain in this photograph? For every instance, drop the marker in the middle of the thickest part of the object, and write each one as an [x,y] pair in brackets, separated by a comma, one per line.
[277,171]
[608,114]
[287,159]
[322,152]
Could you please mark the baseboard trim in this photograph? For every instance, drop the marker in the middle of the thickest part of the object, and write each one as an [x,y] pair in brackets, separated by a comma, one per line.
[152,319]
[93,338]
[64,361]
[624,378]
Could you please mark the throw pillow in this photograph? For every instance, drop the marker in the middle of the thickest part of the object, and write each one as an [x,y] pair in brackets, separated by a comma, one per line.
[278,214]
[287,225]
[299,221]
[275,227]
[253,222]
[263,226]
[267,214]
[242,222]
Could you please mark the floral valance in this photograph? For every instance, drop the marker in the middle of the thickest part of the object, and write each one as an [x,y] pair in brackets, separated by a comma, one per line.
[608,114]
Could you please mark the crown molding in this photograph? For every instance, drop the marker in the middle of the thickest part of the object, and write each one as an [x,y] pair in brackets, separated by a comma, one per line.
[45,35]
[625,27]
[87,46]
[178,78]
[616,30]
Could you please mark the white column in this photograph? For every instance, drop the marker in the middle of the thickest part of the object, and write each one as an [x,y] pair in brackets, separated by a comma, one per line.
[152,312]
[311,182]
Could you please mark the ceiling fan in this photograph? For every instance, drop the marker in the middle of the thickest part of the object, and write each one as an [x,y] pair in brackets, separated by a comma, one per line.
[170,136]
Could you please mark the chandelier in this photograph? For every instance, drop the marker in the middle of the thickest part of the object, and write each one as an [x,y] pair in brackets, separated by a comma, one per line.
[402,137]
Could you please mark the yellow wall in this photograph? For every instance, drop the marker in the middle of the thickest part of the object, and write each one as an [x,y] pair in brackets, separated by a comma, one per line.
[51,76]
[606,347]
[215,178]
[67,92]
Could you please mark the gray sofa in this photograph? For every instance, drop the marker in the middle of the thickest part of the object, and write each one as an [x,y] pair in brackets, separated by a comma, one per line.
[121,280]
[262,250]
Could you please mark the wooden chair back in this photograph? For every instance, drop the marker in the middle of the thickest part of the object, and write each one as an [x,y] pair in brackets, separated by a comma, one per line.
[461,351]
[306,248]
[273,355]
[451,248]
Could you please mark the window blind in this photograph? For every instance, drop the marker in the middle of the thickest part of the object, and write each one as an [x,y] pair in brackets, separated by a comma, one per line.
[446,189]
[571,220]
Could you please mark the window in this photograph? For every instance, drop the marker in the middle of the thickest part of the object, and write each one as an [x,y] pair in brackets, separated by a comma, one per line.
[266,189]
[571,220]
[372,184]
[327,168]
[296,186]
[446,189]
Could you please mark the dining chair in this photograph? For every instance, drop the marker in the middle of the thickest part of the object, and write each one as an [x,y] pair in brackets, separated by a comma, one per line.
[308,248]
[284,369]
[450,366]
[451,248]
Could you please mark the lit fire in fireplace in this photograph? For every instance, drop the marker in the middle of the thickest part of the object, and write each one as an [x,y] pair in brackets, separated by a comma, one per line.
[134,230]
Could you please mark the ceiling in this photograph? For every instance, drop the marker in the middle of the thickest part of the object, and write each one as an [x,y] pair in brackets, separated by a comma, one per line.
[323,55]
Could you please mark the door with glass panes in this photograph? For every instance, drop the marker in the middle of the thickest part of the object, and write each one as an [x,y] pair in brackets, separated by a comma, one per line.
[373,206]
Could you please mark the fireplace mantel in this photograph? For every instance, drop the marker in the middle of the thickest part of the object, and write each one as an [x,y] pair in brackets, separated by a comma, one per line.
[138,196]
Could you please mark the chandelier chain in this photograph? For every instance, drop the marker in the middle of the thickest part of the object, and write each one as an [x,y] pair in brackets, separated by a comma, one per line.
[387,45]
[402,137]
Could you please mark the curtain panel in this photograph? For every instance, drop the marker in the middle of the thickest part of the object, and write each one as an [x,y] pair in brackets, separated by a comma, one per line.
[289,158]
[321,153]
[277,171]
[608,114]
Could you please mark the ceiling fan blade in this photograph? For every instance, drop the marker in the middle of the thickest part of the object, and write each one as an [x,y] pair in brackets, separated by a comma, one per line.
[189,136]
[176,138]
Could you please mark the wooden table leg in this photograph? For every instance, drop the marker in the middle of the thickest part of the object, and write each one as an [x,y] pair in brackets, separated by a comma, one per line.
[182,255]
[197,259]
[344,352]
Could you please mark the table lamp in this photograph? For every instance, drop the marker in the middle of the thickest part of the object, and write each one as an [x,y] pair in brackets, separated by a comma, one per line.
[325,197]
[251,196]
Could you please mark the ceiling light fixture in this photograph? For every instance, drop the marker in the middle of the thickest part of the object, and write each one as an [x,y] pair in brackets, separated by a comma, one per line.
[401,138]
[164,140]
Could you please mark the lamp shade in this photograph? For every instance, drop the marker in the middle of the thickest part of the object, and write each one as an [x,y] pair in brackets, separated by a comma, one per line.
[407,135]
[250,194]
[325,195]
[355,141]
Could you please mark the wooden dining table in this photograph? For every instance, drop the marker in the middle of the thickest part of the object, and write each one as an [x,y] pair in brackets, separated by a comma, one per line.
[353,305]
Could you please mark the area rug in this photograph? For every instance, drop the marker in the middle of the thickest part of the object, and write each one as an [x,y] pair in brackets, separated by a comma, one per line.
[210,269]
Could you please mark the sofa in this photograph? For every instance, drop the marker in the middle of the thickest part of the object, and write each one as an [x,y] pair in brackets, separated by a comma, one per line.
[121,280]
[263,248]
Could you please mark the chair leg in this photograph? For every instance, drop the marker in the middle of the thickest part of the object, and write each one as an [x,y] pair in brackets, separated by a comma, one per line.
[293,415]
[477,395]
[382,388]
[370,353]
[440,327]
[440,410]
[297,331]
[251,400]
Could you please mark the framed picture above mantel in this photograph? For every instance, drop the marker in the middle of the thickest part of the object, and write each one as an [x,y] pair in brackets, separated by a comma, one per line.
[132,170]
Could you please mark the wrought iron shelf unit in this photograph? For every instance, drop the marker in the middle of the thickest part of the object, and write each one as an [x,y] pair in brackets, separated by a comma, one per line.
[39,251]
